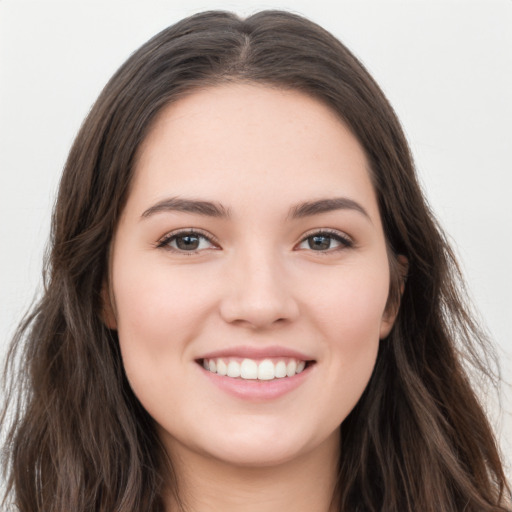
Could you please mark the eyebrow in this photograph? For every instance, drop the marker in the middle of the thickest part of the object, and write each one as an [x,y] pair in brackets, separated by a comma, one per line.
[326,205]
[214,209]
[177,204]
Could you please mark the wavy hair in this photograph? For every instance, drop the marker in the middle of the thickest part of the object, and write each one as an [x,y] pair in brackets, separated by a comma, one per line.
[78,439]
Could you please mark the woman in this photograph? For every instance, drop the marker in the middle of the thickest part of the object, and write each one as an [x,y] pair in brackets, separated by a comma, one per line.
[248,303]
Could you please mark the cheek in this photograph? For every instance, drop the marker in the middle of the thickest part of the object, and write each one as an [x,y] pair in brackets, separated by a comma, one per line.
[348,316]
[157,301]
[159,311]
[350,303]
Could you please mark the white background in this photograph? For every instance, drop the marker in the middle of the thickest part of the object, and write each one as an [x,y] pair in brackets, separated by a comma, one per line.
[446,67]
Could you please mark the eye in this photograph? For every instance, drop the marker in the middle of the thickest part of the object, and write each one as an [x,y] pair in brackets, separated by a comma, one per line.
[187,241]
[325,241]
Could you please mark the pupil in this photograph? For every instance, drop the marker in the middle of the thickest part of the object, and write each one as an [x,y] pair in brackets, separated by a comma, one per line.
[319,242]
[187,242]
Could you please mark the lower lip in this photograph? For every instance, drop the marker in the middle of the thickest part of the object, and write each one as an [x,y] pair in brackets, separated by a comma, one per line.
[258,390]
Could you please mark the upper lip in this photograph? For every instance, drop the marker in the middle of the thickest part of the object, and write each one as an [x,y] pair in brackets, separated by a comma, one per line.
[253,352]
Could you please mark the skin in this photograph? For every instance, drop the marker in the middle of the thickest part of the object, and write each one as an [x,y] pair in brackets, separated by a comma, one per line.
[254,281]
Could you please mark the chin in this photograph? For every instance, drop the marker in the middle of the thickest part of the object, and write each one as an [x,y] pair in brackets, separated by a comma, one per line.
[260,447]
[250,455]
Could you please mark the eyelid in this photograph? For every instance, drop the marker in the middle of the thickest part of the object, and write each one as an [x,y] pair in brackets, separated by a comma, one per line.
[163,242]
[343,238]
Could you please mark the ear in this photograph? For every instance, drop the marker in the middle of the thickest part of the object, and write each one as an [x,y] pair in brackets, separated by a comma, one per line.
[401,269]
[108,311]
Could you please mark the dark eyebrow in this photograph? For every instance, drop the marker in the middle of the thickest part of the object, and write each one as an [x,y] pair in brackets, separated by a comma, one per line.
[326,205]
[177,204]
[213,209]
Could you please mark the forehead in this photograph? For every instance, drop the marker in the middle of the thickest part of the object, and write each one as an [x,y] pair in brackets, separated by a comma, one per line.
[238,140]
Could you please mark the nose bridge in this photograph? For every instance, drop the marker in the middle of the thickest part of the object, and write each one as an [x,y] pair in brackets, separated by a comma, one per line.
[258,292]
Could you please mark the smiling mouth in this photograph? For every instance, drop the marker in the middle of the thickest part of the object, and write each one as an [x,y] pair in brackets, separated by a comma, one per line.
[252,369]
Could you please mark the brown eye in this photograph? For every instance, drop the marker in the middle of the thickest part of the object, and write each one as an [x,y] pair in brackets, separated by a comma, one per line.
[186,241]
[325,242]
[319,242]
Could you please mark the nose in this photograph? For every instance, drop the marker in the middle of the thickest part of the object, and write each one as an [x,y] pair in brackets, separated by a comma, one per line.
[258,293]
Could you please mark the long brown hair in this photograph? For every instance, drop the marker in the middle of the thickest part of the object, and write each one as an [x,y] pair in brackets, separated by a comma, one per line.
[78,439]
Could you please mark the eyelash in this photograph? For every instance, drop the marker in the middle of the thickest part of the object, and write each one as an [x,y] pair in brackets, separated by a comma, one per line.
[170,237]
[164,243]
[344,241]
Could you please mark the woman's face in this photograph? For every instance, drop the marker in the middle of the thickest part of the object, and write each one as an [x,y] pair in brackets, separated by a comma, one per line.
[250,243]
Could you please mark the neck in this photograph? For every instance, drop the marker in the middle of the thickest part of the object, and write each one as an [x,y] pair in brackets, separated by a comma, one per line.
[303,484]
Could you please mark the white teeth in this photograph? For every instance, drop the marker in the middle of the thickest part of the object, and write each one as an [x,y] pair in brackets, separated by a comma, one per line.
[250,369]
[233,369]
[222,368]
[290,368]
[266,370]
[280,370]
